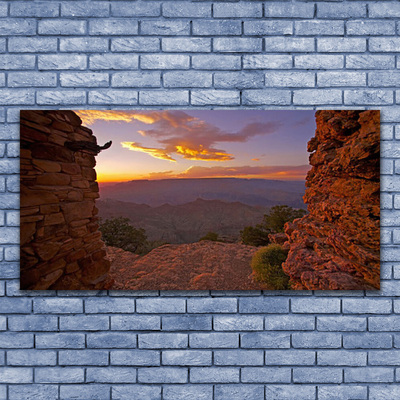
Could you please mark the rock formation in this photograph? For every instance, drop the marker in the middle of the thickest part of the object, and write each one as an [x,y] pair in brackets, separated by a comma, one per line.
[61,245]
[336,246]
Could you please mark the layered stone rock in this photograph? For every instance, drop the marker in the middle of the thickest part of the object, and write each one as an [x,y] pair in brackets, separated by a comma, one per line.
[336,246]
[61,247]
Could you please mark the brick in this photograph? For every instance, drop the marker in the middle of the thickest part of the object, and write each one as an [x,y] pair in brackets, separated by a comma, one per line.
[268,28]
[341,323]
[342,78]
[113,61]
[135,322]
[165,28]
[129,9]
[288,10]
[180,9]
[289,45]
[261,375]
[164,61]
[194,45]
[19,26]
[96,391]
[135,44]
[176,97]
[319,61]
[89,45]
[32,45]
[31,357]
[136,392]
[346,10]
[387,44]
[260,340]
[187,79]
[325,306]
[57,306]
[135,357]
[61,27]
[178,392]
[186,357]
[238,357]
[263,305]
[32,391]
[372,61]
[212,305]
[83,357]
[368,374]
[111,340]
[32,323]
[16,375]
[37,9]
[187,323]
[341,45]
[237,45]
[60,375]
[162,375]
[235,392]
[290,392]
[216,27]
[260,97]
[110,375]
[61,61]
[289,79]
[290,357]
[84,79]
[215,62]
[84,323]
[163,340]
[386,323]
[382,392]
[266,61]
[367,306]
[85,9]
[14,305]
[217,97]
[382,10]
[289,323]
[136,79]
[238,10]
[109,305]
[17,61]
[320,340]
[214,340]
[242,323]
[384,78]
[214,375]
[111,26]
[342,358]
[384,357]
[318,27]
[317,375]
[365,27]
[345,392]
[367,341]
[368,97]
[63,97]
[16,340]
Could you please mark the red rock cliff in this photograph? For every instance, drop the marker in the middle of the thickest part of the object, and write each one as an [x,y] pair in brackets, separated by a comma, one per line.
[61,245]
[336,246]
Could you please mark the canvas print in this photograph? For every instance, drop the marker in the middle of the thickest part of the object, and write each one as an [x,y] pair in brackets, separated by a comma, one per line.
[200,200]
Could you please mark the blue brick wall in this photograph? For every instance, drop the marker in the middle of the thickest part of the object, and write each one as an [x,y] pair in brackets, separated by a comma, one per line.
[199,345]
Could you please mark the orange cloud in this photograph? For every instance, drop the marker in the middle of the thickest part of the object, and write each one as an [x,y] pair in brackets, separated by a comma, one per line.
[255,159]
[156,153]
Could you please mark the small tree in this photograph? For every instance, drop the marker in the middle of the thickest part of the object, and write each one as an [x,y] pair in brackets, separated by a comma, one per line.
[267,267]
[210,236]
[277,217]
[255,235]
[118,232]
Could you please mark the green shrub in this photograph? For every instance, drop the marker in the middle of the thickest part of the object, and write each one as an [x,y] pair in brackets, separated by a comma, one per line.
[254,235]
[267,267]
[277,217]
[210,236]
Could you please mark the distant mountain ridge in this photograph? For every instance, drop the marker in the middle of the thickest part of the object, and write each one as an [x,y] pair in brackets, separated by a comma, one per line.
[253,192]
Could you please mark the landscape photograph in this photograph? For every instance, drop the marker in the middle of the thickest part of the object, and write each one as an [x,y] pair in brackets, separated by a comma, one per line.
[200,200]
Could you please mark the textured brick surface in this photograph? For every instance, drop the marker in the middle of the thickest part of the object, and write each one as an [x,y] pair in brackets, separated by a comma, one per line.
[199,345]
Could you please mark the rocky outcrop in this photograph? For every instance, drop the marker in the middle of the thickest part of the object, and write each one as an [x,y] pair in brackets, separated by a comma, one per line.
[204,265]
[336,246]
[61,245]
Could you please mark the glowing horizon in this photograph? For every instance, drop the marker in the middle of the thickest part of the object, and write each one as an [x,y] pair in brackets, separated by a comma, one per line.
[183,144]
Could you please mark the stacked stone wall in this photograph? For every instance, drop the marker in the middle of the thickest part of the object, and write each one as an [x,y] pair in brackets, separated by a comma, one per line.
[61,246]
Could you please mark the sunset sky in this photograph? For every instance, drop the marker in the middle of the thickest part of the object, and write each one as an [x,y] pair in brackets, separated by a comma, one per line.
[201,144]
